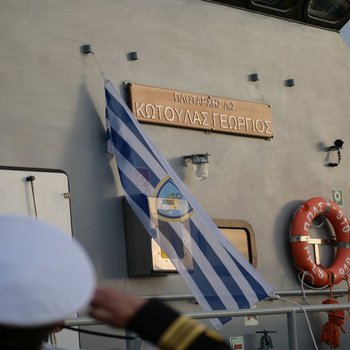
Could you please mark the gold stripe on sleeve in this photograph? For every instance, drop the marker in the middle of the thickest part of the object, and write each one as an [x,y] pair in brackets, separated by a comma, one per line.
[181,334]
[214,335]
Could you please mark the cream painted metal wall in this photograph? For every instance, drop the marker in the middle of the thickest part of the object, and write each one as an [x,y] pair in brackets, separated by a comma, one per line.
[52,116]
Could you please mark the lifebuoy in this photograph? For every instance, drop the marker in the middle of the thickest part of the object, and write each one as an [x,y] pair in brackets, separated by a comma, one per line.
[317,275]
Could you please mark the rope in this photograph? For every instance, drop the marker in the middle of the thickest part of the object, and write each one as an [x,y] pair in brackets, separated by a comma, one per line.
[103,75]
[302,287]
[330,333]
[306,317]
[101,334]
[86,50]
[301,279]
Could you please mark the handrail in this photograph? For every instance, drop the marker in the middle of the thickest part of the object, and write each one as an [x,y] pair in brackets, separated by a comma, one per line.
[86,321]
[270,311]
[290,311]
[326,291]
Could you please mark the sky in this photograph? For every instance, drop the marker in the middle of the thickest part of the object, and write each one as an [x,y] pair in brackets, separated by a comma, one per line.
[345,33]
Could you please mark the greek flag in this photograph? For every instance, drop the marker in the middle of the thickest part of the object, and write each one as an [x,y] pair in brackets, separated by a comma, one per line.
[218,275]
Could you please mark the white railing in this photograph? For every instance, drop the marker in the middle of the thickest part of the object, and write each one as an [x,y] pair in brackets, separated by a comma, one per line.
[290,311]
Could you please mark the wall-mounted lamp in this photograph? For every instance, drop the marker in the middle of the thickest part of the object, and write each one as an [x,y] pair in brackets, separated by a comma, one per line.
[337,146]
[200,163]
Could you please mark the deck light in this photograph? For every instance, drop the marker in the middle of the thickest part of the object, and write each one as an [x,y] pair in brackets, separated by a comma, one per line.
[200,163]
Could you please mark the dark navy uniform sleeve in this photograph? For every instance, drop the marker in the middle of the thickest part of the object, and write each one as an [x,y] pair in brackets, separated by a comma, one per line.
[163,326]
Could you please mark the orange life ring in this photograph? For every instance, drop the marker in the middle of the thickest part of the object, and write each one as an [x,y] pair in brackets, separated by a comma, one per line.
[317,275]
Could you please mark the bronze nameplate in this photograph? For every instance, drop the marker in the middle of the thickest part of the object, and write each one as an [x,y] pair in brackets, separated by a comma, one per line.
[197,111]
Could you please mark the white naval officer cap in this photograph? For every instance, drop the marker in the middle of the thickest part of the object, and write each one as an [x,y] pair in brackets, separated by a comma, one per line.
[45,275]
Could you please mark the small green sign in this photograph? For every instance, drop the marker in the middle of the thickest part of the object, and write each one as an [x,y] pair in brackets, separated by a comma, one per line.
[338,197]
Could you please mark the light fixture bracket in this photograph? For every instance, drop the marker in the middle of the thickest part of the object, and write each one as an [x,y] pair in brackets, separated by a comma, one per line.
[198,158]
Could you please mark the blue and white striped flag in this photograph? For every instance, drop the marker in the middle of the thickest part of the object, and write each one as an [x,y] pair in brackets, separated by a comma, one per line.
[218,275]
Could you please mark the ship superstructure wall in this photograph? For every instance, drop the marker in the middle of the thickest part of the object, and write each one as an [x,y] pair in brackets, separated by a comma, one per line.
[52,116]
